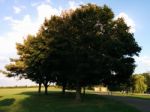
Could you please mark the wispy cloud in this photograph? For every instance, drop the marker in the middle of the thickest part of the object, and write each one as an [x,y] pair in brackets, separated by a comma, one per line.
[3,59]
[143,60]
[46,11]
[48,1]
[20,28]
[17,10]
[72,5]
[143,64]
[5,81]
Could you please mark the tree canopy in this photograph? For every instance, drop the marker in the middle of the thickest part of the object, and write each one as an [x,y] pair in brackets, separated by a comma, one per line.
[81,47]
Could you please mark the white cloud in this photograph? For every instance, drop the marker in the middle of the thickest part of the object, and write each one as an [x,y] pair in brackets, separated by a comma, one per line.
[73,5]
[5,81]
[47,11]
[144,60]
[48,1]
[143,64]
[128,21]
[21,28]
[17,10]
[3,59]
[8,18]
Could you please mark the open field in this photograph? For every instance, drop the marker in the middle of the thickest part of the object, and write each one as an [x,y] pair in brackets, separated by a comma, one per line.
[28,100]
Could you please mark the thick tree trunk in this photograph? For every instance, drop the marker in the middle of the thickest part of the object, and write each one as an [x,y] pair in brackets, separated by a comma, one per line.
[78,92]
[39,89]
[46,89]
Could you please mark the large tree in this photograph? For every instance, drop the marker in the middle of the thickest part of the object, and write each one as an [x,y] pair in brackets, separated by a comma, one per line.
[103,45]
[82,47]
[92,47]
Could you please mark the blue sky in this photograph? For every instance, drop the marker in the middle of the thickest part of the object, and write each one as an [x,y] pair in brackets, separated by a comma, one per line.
[18,18]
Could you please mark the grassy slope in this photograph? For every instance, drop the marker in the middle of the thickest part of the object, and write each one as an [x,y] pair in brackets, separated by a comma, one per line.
[27,100]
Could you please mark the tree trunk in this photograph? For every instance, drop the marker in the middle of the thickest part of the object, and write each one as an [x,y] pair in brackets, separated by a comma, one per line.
[63,89]
[46,88]
[84,90]
[39,89]
[78,92]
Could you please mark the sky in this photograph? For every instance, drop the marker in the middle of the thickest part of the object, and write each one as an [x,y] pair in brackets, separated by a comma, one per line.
[18,18]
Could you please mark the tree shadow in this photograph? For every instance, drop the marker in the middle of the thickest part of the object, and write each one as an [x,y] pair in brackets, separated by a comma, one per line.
[7,102]
[52,95]
[57,102]
[53,102]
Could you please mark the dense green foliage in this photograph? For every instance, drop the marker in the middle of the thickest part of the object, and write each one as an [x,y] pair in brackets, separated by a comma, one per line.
[147,78]
[139,84]
[79,48]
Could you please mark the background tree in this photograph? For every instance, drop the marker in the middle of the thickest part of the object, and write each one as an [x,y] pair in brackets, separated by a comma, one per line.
[147,77]
[139,84]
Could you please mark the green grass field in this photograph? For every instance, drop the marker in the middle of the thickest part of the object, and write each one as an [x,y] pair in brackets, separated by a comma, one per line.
[135,95]
[28,100]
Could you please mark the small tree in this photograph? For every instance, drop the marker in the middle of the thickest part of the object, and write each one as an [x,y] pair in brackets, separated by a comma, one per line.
[139,84]
[147,77]
[32,62]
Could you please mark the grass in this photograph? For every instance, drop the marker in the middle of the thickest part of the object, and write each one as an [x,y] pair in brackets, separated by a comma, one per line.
[146,97]
[28,100]
[134,95]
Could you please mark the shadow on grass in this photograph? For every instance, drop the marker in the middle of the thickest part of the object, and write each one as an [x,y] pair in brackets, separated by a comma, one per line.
[56,102]
[7,102]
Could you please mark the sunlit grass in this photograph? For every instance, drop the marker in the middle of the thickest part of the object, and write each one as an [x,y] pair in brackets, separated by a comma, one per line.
[134,95]
[28,100]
